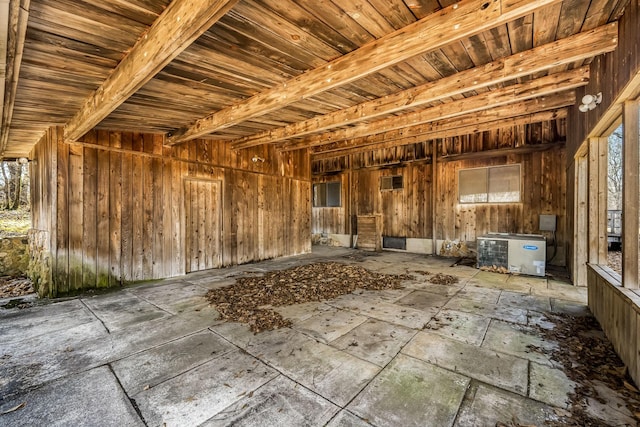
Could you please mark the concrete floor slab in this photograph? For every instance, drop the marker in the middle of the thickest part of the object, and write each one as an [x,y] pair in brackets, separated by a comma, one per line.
[43,359]
[18,325]
[191,360]
[518,341]
[333,374]
[301,312]
[35,361]
[569,307]
[562,290]
[499,369]
[485,279]
[539,320]
[479,294]
[550,385]
[495,311]
[91,398]
[330,325]
[385,295]
[392,313]
[410,392]
[158,364]
[532,302]
[197,395]
[280,402]
[466,327]
[375,341]
[425,301]
[487,406]
[174,297]
[347,419]
[446,290]
[122,309]
[533,281]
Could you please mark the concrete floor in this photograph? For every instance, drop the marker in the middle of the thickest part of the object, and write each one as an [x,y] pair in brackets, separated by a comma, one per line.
[425,355]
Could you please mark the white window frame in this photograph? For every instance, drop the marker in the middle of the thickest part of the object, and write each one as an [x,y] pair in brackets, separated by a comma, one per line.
[482,181]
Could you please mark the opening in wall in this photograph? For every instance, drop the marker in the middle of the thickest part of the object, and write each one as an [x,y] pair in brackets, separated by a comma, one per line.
[327,194]
[495,184]
[391,182]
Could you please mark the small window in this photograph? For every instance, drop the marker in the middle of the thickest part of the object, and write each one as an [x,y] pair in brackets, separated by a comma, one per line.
[497,184]
[327,194]
[391,182]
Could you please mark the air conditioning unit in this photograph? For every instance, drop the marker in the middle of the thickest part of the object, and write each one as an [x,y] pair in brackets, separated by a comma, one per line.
[517,253]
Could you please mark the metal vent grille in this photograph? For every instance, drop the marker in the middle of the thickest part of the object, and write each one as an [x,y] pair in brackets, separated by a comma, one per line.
[394,242]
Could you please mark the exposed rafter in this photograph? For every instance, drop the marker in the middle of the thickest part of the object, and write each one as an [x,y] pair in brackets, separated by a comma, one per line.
[448,25]
[561,52]
[532,89]
[443,129]
[14,15]
[182,22]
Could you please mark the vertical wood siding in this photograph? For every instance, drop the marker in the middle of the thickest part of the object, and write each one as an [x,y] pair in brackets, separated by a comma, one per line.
[408,212]
[119,206]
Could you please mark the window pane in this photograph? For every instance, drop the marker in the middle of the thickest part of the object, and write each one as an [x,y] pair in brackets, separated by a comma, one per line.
[333,193]
[472,185]
[319,195]
[504,184]
[396,181]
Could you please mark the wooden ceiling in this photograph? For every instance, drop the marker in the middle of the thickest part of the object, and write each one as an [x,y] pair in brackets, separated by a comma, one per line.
[326,74]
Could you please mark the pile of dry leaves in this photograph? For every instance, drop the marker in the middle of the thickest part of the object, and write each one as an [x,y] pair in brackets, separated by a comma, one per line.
[250,299]
[587,358]
[15,287]
[439,278]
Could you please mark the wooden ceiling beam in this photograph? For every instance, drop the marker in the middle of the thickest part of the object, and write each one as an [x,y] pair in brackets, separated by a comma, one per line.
[14,15]
[536,88]
[561,52]
[453,23]
[444,129]
[181,23]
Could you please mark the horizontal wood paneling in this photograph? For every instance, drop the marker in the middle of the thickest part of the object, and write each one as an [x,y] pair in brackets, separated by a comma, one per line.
[124,200]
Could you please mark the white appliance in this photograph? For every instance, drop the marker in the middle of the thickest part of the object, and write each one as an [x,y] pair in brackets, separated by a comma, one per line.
[518,253]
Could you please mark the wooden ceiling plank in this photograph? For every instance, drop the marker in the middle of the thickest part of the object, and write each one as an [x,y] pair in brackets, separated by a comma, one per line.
[12,38]
[474,121]
[532,89]
[443,129]
[545,24]
[177,27]
[451,24]
[580,46]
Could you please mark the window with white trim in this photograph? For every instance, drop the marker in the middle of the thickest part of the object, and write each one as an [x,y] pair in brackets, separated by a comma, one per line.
[494,184]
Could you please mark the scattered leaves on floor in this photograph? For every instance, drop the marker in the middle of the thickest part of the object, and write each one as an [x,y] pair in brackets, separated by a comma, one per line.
[495,269]
[443,279]
[15,287]
[251,300]
[423,272]
[588,358]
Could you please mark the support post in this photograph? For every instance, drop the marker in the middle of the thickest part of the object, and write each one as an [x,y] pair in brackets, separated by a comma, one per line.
[630,193]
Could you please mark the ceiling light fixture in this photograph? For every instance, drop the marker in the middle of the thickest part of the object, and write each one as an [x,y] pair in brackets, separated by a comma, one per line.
[589,102]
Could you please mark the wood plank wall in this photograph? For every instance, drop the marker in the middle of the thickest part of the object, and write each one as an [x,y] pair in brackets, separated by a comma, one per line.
[408,212]
[120,205]
[618,312]
[609,74]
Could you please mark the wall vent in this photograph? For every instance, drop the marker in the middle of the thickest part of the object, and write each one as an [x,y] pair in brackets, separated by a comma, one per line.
[389,242]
